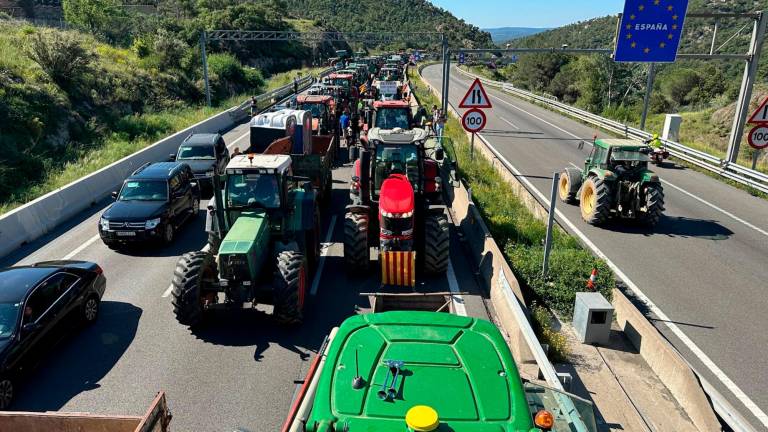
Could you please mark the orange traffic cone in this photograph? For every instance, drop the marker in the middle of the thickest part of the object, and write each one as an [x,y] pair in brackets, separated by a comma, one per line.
[592,279]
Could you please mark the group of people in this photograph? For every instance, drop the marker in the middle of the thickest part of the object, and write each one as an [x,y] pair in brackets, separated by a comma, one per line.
[436,122]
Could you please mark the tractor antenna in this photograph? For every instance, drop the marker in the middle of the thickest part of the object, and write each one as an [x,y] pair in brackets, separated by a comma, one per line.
[357,381]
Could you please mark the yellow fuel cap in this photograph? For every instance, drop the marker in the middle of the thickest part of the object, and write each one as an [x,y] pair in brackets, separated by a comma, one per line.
[422,418]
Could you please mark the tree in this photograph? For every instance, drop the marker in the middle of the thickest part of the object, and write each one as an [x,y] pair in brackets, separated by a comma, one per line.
[102,17]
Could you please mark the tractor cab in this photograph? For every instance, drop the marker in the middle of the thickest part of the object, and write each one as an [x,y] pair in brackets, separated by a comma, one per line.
[624,157]
[346,83]
[322,108]
[391,115]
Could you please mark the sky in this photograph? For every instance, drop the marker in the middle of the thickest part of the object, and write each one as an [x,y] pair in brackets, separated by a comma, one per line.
[528,13]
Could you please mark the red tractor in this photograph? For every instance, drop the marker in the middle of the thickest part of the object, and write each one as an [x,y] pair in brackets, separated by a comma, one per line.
[397,192]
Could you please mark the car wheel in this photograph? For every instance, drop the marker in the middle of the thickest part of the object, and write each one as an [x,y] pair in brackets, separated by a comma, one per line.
[91,309]
[6,392]
[168,233]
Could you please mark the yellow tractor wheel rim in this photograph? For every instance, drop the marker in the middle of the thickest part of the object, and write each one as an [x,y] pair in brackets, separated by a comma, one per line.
[588,199]
[564,187]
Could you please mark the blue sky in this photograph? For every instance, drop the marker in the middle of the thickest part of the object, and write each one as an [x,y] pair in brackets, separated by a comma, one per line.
[528,13]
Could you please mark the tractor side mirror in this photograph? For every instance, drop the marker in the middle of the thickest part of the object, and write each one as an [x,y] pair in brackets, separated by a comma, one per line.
[439,154]
[114,195]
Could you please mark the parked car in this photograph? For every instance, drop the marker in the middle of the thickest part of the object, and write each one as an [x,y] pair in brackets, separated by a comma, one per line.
[151,205]
[36,303]
[206,154]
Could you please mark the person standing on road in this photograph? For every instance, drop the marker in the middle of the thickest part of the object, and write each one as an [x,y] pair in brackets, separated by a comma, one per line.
[435,116]
[295,85]
[344,124]
[254,106]
[440,127]
[354,124]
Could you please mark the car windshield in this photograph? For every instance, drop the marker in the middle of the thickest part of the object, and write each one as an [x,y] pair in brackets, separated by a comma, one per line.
[628,155]
[9,317]
[144,190]
[196,152]
[253,190]
[316,109]
[390,118]
[399,159]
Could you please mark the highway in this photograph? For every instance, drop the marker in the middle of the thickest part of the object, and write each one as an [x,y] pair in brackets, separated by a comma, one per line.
[703,266]
[238,372]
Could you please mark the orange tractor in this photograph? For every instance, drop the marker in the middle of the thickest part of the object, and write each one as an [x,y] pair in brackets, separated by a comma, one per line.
[397,205]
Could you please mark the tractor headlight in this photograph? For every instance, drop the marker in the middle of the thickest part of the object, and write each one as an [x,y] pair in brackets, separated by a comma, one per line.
[152,223]
[104,224]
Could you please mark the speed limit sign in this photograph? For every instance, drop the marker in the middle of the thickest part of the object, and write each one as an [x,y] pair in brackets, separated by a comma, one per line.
[473,120]
[758,137]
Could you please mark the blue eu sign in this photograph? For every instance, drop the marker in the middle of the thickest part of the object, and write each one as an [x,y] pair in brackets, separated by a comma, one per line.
[461,57]
[650,31]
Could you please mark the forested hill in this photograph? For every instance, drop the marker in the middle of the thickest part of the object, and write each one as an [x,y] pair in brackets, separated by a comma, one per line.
[600,32]
[390,15]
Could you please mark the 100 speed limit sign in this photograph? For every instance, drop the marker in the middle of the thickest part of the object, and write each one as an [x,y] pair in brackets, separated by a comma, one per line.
[758,137]
[473,120]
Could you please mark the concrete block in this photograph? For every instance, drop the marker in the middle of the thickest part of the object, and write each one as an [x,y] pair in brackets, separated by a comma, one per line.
[592,316]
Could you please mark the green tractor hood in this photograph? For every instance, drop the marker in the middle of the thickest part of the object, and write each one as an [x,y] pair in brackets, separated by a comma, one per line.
[459,366]
[247,242]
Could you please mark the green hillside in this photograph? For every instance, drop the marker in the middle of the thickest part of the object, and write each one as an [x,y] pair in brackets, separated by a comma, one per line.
[393,15]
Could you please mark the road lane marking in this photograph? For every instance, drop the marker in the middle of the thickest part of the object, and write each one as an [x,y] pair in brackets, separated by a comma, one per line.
[453,286]
[509,122]
[324,252]
[713,368]
[247,132]
[82,247]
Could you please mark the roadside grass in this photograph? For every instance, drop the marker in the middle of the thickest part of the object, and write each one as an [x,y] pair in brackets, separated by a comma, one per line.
[137,132]
[517,230]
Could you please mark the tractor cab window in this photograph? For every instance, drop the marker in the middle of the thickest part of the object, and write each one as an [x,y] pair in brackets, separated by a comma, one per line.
[253,190]
[317,110]
[390,118]
[628,159]
[402,159]
[599,156]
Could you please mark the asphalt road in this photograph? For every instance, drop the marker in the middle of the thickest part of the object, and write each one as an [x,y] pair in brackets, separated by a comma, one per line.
[704,265]
[238,372]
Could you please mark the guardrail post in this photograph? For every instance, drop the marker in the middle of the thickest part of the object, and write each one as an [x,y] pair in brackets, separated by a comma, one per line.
[550,224]
[205,69]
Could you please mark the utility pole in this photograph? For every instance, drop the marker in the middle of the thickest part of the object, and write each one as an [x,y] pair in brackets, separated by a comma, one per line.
[648,91]
[745,94]
[205,69]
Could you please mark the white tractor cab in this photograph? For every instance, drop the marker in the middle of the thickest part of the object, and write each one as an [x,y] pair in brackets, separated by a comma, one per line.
[266,128]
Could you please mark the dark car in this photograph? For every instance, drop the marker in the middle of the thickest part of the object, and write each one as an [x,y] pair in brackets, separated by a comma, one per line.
[152,203]
[206,154]
[37,303]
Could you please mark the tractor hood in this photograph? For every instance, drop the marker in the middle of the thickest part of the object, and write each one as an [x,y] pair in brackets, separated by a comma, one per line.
[459,366]
[396,195]
[243,250]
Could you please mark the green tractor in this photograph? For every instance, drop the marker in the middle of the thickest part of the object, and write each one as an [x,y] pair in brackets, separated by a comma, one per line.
[615,182]
[263,242]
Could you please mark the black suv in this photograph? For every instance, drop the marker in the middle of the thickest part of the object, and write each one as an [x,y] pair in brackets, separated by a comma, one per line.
[206,154]
[153,202]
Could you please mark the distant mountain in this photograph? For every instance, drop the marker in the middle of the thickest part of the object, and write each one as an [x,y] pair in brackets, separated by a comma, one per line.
[504,34]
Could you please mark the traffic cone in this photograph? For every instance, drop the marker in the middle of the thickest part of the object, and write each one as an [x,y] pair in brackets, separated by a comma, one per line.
[592,279]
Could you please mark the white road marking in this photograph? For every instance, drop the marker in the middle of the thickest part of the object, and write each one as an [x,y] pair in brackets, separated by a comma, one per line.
[509,123]
[716,371]
[81,247]
[324,252]
[453,286]
[247,133]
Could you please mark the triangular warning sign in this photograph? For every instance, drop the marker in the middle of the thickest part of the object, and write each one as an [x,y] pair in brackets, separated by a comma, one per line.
[476,97]
[760,115]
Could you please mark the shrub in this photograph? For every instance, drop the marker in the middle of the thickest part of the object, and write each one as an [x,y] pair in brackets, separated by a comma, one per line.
[60,55]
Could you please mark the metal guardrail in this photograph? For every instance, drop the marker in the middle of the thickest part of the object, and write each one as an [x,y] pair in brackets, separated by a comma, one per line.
[737,173]
[277,94]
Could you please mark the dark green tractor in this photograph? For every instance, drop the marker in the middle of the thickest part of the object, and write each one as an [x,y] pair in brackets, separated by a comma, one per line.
[615,182]
[263,243]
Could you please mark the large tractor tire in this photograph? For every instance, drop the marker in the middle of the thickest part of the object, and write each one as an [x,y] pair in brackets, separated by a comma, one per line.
[595,202]
[651,211]
[188,278]
[568,185]
[290,287]
[357,253]
[437,242]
